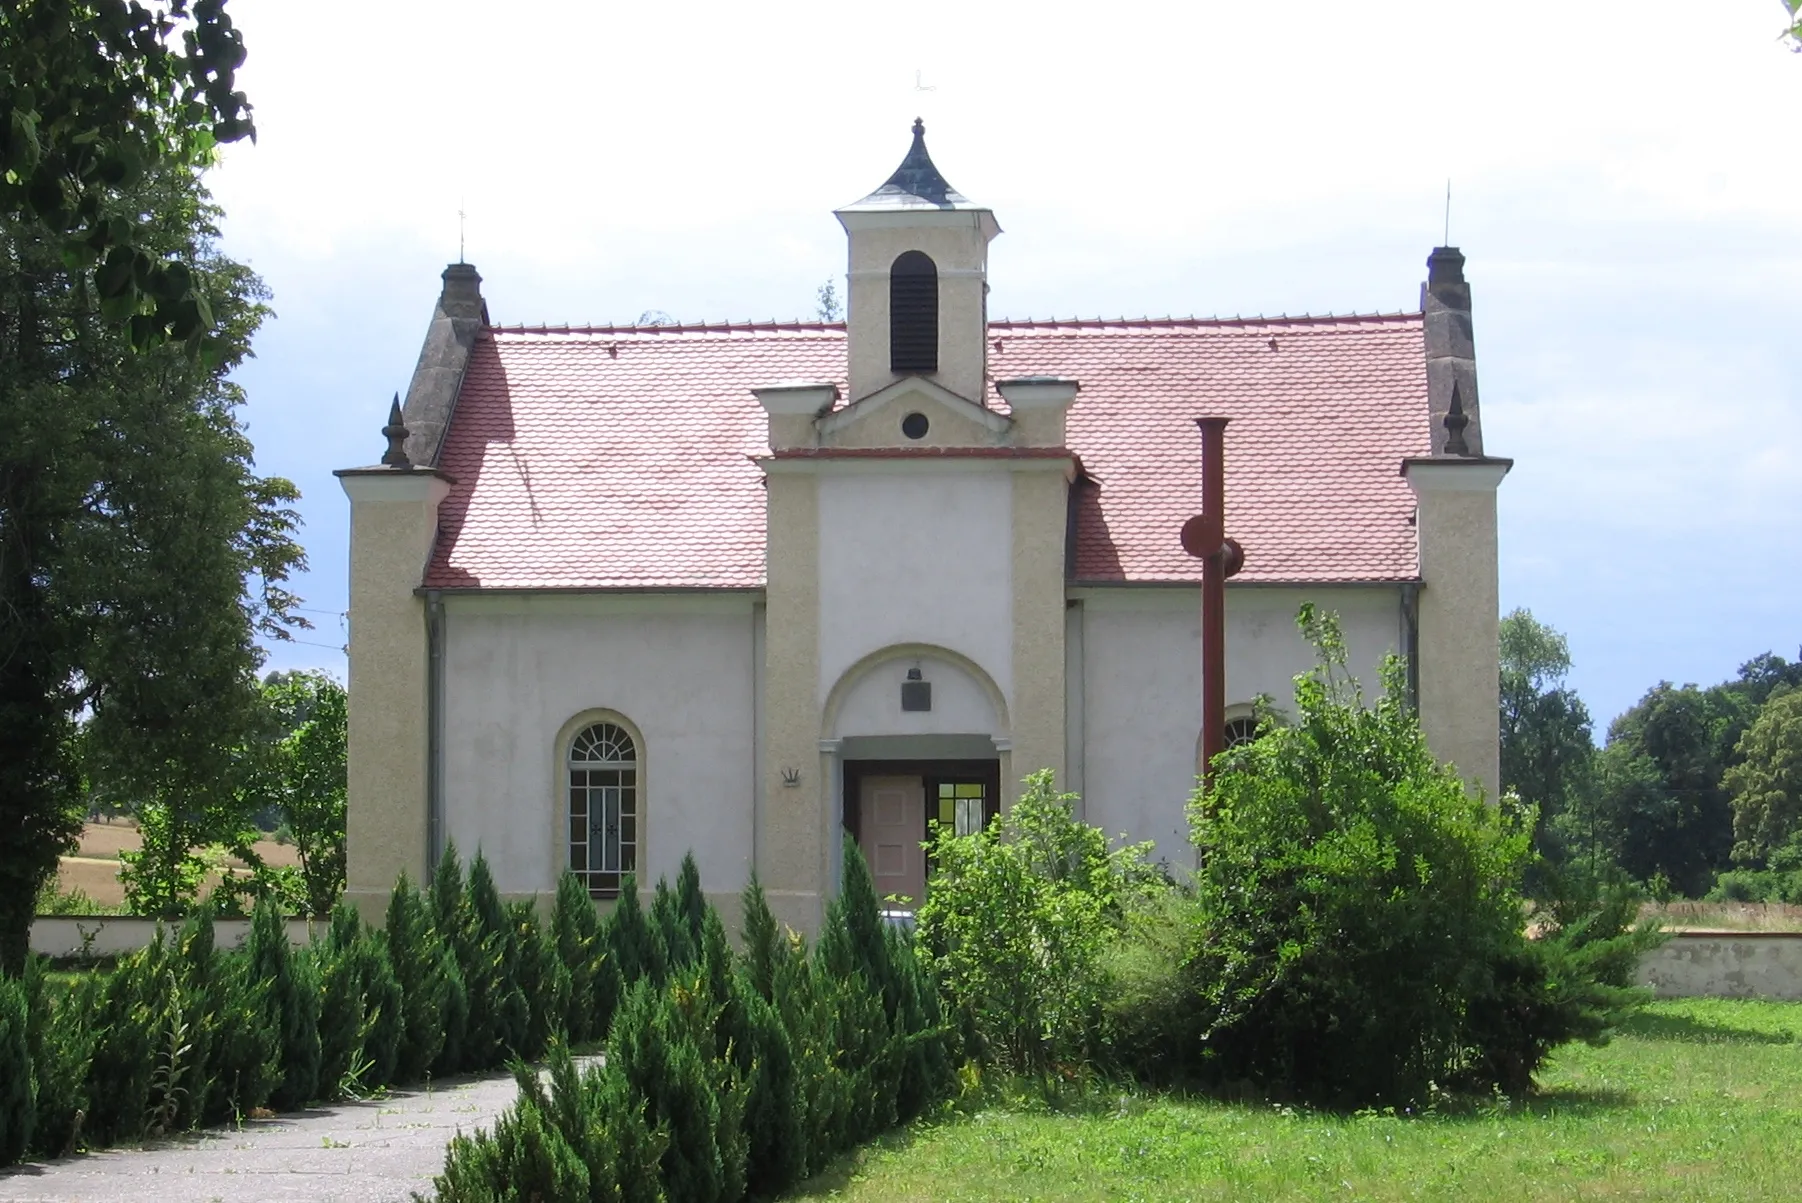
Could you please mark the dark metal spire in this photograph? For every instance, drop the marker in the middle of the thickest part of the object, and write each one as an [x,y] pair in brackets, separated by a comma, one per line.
[396,434]
[916,183]
[1455,422]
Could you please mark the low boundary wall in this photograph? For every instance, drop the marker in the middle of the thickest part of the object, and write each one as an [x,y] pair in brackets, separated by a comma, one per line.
[1725,964]
[1691,964]
[114,935]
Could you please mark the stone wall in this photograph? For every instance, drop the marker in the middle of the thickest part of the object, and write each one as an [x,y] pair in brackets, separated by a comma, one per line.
[1726,965]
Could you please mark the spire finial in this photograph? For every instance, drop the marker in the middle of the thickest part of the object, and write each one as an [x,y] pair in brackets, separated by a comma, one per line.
[919,127]
[1455,422]
[396,434]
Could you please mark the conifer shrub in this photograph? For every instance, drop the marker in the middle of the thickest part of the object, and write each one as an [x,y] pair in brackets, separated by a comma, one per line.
[465,1018]
[127,1017]
[723,1077]
[499,1014]
[61,1031]
[416,957]
[526,1157]
[576,934]
[582,1139]
[231,1062]
[631,943]
[653,1046]
[544,980]
[669,928]
[361,1016]
[244,1054]
[341,1001]
[384,1009]
[18,1111]
[290,982]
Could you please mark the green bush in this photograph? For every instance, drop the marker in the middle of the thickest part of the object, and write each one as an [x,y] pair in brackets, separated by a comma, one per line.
[499,1014]
[583,1139]
[1358,913]
[576,934]
[62,1038]
[290,983]
[544,980]
[18,1111]
[417,957]
[1757,885]
[655,1049]
[631,943]
[361,1015]
[1018,917]
[734,1075]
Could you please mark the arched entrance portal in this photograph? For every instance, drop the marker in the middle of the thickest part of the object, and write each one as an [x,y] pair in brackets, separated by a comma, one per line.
[913,735]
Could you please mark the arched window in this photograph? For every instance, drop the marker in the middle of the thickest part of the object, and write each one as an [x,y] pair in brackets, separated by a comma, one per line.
[913,314]
[603,807]
[1241,731]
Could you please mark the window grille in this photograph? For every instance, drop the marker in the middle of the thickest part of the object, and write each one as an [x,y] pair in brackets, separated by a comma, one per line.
[603,807]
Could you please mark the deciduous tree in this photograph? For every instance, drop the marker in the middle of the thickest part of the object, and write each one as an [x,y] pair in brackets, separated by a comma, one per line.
[1766,785]
[140,552]
[98,95]
[1547,752]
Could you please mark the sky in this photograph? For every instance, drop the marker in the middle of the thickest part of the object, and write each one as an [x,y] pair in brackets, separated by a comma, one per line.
[1623,181]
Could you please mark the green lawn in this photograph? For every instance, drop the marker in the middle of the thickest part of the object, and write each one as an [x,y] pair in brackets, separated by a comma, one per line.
[1698,1100]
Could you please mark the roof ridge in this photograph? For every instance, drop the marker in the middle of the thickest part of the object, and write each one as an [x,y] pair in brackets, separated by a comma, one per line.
[1283,319]
[703,327]
[772,325]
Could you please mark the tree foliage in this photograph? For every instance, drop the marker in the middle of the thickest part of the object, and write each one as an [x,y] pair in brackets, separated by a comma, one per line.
[1661,807]
[98,95]
[140,553]
[304,775]
[1547,754]
[1766,784]
[1018,917]
[1358,913]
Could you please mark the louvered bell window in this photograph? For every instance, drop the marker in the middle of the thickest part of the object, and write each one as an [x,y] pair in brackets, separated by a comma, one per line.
[913,309]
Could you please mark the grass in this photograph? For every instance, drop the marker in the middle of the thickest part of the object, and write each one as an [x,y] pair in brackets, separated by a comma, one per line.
[1725,916]
[1698,1100]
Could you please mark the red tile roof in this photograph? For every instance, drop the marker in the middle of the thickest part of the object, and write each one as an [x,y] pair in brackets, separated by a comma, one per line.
[623,457]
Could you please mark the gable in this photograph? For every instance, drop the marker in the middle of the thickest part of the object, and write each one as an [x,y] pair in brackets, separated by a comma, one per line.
[881,420]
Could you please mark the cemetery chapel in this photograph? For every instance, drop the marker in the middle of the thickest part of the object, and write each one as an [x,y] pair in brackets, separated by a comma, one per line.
[621,593]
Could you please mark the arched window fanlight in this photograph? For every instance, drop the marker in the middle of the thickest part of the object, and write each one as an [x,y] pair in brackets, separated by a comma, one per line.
[913,314]
[1241,731]
[603,807]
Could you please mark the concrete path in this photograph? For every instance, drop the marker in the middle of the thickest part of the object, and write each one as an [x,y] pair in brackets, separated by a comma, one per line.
[376,1152]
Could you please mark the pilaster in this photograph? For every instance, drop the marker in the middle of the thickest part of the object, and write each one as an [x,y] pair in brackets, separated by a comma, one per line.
[1457,659]
[393,522]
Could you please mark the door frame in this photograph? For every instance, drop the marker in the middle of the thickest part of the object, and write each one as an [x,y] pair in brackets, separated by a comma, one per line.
[930,772]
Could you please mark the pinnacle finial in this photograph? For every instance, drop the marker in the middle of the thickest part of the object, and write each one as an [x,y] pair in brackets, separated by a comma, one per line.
[396,434]
[1455,422]
[919,127]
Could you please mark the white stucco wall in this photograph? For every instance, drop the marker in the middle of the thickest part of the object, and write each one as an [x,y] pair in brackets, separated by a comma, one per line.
[1141,688]
[960,705]
[925,557]
[679,668]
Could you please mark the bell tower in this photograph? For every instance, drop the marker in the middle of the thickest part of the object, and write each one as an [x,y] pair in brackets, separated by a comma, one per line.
[918,296]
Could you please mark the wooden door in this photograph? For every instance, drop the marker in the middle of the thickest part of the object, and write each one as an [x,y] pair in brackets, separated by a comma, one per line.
[891,828]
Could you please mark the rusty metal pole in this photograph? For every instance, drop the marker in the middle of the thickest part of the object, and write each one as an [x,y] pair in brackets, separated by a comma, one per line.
[1213,592]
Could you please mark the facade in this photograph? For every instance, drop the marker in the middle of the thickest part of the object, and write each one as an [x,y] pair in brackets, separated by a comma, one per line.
[622,593]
